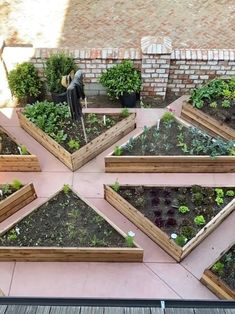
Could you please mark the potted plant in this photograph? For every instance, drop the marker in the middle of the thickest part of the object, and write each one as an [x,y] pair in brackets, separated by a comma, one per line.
[122,81]
[58,65]
[24,82]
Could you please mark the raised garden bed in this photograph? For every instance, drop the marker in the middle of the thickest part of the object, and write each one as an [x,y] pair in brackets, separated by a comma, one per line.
[15,157]
[51,125]
[67,228]
[212,107]
[220,277]
[172,146]
[176,218]
[13,197]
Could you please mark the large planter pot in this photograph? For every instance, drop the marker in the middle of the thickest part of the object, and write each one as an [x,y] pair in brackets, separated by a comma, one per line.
[59,98]
[128,100]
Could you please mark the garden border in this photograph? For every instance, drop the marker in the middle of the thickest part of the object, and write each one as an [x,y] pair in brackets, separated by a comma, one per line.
[169,164]
[155,233]
[29,163]
[71,254]
[80,157]
[16,201]
[216,285]
[211,125]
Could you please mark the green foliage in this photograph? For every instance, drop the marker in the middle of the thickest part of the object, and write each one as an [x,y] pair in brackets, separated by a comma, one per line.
[58,65]
[219,200]
[118,151]
[181,240]
[129,240]
[188,232]
[60,136]
[73,144]
[230,193]
[16,184]
[116,186]
[23,150]
[6,189]
[12,235]
[168,117]
[125,113]
[197,198]
[219,192]
[183,209]
[24,81]
[92,119]
[218,268]
[121,79]
[200,220]
[66,188]
[226,104]
[213,104]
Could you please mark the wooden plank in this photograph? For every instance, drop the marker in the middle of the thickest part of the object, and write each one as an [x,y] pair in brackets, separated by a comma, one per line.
[16,201]
[208,228]
[201,119]
[113,310]
[179,311]
[21,309]
[65,310]
[209,311]
[43,310]
[92,310]
[144,224]
[217,286]
[155,310]
[28,163]
[137,310]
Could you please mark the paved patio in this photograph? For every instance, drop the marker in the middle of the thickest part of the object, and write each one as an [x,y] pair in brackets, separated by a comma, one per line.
[159,276]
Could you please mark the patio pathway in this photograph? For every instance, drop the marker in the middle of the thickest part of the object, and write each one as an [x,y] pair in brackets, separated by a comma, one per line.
[159,276]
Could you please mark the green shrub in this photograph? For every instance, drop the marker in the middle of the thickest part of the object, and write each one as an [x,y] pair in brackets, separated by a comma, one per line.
[121,79]
[58,65]
[24,81]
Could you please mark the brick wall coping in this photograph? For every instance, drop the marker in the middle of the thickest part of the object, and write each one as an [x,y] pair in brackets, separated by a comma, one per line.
[203,54]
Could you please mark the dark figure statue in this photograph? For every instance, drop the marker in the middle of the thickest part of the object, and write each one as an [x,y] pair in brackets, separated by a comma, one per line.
[75,92]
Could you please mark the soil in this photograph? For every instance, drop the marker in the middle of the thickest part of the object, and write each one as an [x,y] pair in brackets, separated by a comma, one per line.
[223,115]
[7,190]
[227,274]
[9,147]
[165,141]
[160,205]
[63,221]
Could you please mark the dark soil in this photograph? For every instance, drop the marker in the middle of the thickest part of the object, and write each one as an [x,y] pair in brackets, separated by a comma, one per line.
[9,147]
[226,268]
[172,139]
[64,221]
[223,115]
[160,206]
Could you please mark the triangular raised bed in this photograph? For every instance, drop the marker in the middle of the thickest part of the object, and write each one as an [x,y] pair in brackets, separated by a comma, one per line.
[159,217]
[220,276]
[66,228]
[10,157]
[169,149]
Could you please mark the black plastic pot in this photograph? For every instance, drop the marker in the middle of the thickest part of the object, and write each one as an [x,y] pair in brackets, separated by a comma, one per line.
[59,98]
[128,100]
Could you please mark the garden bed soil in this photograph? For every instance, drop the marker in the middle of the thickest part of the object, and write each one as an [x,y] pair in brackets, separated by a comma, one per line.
[208,121]
[155,209]
[13,200]
[10,157]
[99,137]
[172,147]
[220,278]
[69,227]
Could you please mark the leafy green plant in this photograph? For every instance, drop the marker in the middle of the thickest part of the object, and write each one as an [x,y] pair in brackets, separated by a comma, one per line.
[218,268]
[129,239]
[183,209]
[6,189]
[188,232]
[12,235]
[200,220]
[219,200]
[92,119]
[116,186]
[60,136]
[227,93]
[230,193]
[226,104]
[180,240]
[125,113]
[118,151]
[121,79]
[23,150]
[66,188]
[16,184]
[168,117]
[73,144]
[219,192]
[213,104]
[58,65]
[24,81]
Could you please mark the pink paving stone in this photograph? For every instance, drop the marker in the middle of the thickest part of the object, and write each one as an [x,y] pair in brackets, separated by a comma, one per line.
[152,252]
[182,281]
[206,253]
[45,183]
[8,117]
[6,273]
[122,280]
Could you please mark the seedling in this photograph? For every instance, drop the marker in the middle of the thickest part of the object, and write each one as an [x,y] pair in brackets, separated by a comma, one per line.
[125,113]
[16,184]
[200,220]
[116,186]
[230,193]
[118,151]
[66,188]
[130,239]
[183,209]
[73,144]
